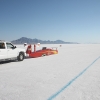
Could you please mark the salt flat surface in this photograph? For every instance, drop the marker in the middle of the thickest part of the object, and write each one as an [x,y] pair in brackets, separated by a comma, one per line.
[72,74]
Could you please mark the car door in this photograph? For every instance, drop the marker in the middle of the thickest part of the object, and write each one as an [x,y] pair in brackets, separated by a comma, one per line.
[3,51]
[11,50]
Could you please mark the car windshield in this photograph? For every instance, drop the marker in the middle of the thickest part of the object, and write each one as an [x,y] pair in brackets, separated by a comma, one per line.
[9,46]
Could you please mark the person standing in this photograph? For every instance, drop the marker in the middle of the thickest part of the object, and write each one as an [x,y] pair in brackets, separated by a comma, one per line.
[25,46]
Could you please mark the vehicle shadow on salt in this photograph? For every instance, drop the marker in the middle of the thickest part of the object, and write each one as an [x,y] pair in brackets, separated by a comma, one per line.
[31,58]
[6,62]
[11,61]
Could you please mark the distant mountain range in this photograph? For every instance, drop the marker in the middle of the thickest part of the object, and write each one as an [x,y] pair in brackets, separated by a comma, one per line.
[23,40]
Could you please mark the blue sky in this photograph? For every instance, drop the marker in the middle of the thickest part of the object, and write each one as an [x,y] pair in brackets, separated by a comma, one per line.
[67,20]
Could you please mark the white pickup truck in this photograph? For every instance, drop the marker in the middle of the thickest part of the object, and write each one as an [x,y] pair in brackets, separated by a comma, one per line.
[8,52]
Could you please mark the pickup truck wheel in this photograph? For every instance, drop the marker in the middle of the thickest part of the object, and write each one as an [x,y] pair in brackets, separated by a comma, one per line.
[20,57]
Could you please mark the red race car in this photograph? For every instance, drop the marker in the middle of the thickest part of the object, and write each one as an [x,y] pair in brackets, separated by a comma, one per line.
[39,53]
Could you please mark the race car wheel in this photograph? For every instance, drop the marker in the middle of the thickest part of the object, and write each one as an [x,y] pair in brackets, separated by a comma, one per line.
[43,55]
[20,57]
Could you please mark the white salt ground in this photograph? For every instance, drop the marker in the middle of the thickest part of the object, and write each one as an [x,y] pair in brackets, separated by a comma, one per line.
[43,78]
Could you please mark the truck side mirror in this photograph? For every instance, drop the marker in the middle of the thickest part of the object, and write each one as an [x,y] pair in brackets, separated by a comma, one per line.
[13,47]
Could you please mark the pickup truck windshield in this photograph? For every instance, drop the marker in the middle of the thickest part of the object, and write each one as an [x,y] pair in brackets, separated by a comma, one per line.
[9,46]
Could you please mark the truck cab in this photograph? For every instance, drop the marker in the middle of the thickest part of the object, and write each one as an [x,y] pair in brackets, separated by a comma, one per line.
[8,51]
